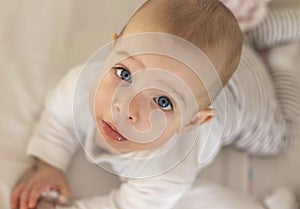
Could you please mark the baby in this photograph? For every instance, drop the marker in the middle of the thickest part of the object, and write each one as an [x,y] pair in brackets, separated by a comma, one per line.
[141,108]
[147,104]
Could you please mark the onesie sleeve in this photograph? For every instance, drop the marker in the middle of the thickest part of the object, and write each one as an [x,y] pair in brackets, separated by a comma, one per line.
[280,26]
[53,140]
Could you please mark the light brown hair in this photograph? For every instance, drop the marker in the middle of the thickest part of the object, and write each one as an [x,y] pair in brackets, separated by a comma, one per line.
[206,23]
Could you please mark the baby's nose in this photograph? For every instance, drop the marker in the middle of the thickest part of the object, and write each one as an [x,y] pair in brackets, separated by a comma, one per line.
[136,107]
[139,110]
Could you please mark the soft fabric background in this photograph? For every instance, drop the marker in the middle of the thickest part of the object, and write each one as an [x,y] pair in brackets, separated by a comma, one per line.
[39,42]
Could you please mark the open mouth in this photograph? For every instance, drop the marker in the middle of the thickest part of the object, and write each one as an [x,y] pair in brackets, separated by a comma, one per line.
[111,132]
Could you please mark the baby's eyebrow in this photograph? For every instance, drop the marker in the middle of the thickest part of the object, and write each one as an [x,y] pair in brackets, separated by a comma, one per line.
[127,55]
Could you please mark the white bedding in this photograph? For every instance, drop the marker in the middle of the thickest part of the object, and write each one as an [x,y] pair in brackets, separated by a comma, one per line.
[40,41]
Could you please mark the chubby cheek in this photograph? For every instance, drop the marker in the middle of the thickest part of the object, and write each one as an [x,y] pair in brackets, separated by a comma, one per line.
[171,128]
[103,98]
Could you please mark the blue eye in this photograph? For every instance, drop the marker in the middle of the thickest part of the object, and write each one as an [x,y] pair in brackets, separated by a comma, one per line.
[123,73]
[164,102]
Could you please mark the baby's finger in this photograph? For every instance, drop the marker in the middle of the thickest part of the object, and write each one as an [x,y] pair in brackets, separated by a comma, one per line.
[35,194]
[16,195]
[24,197]
[64,194]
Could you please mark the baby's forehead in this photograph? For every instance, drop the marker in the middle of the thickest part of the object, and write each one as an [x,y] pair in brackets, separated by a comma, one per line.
[162,68]
[171,54]
[165,74]
[159,70]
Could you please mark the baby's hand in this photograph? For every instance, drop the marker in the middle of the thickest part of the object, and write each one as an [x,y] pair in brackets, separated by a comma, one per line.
[44,178]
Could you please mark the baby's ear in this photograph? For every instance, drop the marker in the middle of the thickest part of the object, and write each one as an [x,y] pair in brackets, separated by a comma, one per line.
[200,118]
[114,37]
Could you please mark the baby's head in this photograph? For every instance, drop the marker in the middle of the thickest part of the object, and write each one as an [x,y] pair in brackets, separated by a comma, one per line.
[140,87]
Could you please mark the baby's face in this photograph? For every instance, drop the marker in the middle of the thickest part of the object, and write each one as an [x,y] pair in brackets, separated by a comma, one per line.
[139,94]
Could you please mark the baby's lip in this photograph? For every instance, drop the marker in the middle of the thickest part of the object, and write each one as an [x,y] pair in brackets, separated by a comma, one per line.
[112,126]
[111,132]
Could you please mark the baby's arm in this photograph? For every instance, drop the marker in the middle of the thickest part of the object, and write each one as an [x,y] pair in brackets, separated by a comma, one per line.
[280,26]
[53,143]
[54,139]
[36,182]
